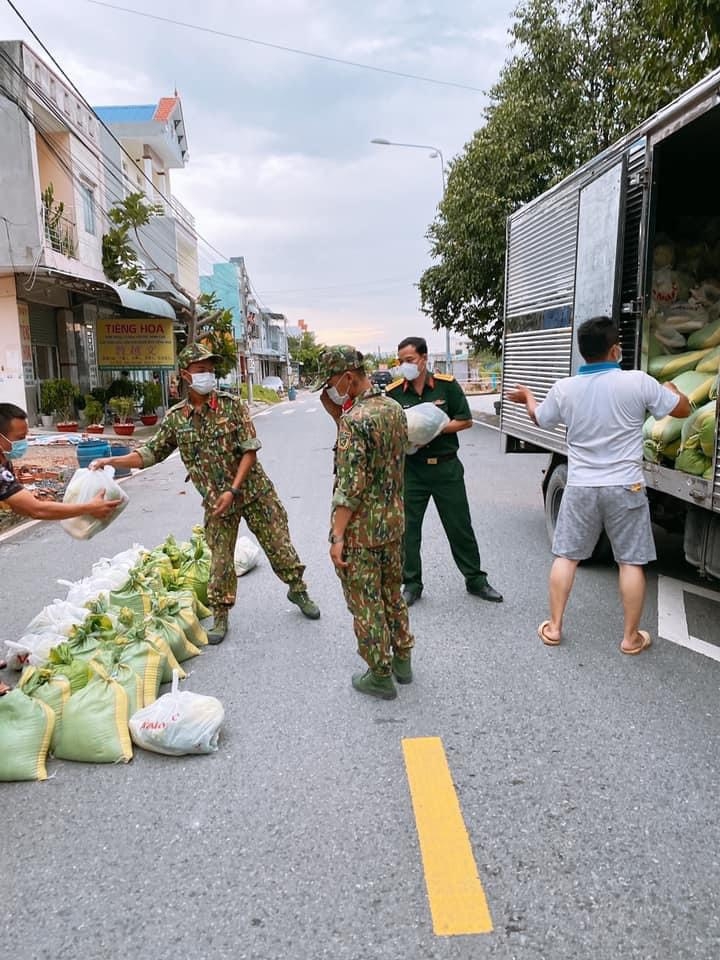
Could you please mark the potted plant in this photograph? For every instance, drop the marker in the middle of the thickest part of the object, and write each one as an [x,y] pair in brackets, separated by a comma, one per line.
[48,402]
[94,415]
[59,396]
[152,399]
[124,410]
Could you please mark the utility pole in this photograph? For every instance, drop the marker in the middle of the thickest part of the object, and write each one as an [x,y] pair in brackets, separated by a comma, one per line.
[248,320]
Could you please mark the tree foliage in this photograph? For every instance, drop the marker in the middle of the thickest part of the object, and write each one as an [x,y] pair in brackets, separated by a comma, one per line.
[581,74]
[206,321]
[304,350]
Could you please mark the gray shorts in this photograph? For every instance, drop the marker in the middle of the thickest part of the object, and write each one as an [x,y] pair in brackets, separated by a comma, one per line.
[623,512]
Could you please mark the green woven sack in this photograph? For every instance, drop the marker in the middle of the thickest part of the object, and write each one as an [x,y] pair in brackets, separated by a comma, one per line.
[692,460]
[145,660]
[62,662]
[138,592]
[164,619]
[26,728]
[95,723]
[41,682]
[122,674]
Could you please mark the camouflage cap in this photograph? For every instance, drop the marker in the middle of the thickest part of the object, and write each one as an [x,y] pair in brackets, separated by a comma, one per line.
[194,352]
[334,360]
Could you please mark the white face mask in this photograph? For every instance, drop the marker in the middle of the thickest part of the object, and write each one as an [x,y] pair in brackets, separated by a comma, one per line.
[409,371]
[203,383]
[339,398]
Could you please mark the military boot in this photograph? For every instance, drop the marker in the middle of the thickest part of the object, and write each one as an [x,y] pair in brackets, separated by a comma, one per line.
[402,669]
[375,685]
[219,628]
[301,599]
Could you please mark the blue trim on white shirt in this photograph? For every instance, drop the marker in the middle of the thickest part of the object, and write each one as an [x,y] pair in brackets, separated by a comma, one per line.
[598,367]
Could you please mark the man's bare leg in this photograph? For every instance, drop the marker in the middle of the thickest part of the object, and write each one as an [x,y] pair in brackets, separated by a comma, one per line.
[632,593]
[562,577]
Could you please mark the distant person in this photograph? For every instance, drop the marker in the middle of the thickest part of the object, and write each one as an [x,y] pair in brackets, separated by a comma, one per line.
[604,409]
[13,496]
[366,526]
[435,472]
[218,445]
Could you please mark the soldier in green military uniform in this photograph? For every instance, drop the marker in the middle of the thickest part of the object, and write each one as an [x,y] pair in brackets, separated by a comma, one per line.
[217,442]
[367,520]
[435,471]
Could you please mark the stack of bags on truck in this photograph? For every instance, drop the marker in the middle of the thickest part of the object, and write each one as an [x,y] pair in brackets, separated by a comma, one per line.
[683,346]
[92,665]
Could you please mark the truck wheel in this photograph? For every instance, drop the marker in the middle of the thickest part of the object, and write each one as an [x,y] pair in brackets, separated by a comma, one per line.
[553,497]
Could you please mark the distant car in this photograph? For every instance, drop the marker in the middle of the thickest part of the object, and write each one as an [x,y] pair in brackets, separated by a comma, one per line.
[381,378]
[273,383]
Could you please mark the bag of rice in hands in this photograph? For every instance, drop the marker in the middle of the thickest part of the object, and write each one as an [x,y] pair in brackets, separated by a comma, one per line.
[425,421]
[84,486]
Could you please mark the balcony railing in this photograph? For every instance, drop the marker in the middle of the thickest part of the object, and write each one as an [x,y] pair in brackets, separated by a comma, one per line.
[60,233]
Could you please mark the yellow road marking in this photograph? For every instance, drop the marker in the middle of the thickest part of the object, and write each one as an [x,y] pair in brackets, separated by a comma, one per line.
[457,899]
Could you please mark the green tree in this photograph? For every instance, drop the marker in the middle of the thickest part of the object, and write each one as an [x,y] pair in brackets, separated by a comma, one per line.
[581,74]
[304,350]
[206,321]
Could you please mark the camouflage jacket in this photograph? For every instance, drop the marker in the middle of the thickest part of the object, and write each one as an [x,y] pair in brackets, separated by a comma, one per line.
[370,457]
[211,442]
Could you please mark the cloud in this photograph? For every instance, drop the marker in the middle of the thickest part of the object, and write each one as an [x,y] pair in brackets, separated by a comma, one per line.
[281,169]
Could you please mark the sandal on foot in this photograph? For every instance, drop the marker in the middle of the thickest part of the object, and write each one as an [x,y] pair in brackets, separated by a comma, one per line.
[645,642]
[4,688]
[542,633]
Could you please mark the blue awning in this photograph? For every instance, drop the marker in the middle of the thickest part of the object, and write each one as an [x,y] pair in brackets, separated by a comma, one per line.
[143,302]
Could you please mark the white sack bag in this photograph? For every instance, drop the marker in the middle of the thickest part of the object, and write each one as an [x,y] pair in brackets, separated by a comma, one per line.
[85,485]
[247,555]
[425,422]
[178,723]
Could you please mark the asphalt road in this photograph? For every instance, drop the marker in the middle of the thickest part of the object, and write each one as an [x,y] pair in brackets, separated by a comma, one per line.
[588,781]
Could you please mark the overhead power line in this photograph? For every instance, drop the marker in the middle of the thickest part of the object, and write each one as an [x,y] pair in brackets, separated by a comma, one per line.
[285,49]
[102,123]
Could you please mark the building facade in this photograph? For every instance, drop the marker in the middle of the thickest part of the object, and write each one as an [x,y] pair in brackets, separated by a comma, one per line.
[57,185]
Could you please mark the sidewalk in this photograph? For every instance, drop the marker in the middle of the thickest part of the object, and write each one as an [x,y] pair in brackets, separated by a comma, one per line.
[482,407]
[51,460]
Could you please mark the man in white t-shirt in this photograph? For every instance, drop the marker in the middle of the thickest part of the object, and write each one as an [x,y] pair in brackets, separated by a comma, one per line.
[603,408]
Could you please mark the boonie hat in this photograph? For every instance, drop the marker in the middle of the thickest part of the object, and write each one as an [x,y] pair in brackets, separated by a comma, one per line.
[334,360]
[194,352]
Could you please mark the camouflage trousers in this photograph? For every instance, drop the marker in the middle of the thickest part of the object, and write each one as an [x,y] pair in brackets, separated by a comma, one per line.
[372,586]
[267,520]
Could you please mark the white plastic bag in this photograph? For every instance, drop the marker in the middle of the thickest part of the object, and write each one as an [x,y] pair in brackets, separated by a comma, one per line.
[425,422]
[85,485]
[178,723]
[247,555]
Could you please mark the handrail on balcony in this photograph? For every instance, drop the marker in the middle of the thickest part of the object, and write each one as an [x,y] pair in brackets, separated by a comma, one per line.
[59,232]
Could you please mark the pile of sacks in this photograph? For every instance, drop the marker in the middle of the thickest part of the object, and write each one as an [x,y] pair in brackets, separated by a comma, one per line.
[683,346]
[92,665]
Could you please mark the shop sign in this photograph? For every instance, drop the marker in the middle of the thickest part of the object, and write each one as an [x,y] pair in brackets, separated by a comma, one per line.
[135,343]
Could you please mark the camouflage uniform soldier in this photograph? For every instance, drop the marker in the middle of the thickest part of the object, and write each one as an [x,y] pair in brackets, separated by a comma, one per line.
[217,442]
[367,521]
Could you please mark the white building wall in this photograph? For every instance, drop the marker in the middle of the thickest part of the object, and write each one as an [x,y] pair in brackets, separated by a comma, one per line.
[12,384]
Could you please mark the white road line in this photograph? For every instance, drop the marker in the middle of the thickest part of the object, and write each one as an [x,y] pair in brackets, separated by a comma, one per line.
[672,619]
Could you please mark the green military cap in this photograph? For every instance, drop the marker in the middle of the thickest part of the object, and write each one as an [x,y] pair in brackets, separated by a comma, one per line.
[194,352]
[335,360]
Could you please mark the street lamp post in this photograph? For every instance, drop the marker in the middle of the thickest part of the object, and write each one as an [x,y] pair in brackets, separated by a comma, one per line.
[436,152]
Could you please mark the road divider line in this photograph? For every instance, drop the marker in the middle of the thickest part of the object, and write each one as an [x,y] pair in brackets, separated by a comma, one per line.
[457,899]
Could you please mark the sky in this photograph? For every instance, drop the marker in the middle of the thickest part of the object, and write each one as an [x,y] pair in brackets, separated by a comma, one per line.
[281,169]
